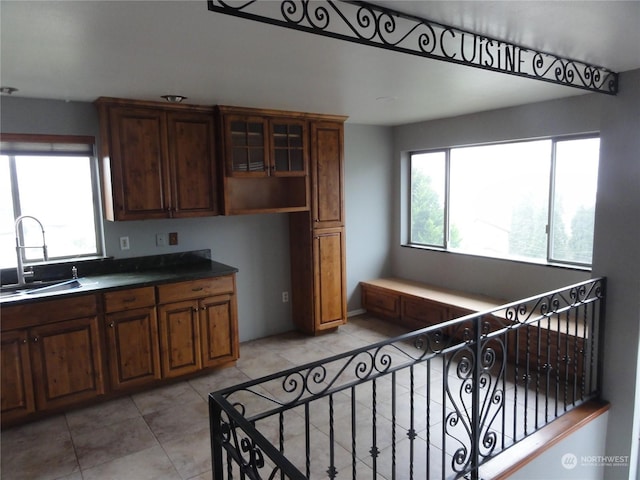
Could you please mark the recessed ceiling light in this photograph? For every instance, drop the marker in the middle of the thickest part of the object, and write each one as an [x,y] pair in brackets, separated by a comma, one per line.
[7,90]
[174,98]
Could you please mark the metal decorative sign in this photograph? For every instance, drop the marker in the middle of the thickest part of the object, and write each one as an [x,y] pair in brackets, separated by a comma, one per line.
[372,25]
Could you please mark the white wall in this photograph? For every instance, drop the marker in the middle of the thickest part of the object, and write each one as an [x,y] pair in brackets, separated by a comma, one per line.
[368,209]
[617,256]
[582,446]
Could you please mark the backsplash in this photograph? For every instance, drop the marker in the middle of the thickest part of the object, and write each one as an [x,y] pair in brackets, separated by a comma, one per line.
[62,270]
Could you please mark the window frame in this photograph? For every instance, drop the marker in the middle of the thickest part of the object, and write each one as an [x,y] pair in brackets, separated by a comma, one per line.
[18,144]
[446,247]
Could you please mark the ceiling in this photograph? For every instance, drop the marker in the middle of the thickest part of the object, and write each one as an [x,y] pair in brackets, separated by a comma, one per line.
[81,50]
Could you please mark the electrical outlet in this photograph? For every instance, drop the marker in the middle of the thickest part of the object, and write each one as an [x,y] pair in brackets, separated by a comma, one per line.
[124,243]
[161,239]
[285,297]
[173,238]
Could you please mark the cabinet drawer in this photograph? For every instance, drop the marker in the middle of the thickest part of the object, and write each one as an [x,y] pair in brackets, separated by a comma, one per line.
[129,299]
[195,289]
[381,302]
[38,313]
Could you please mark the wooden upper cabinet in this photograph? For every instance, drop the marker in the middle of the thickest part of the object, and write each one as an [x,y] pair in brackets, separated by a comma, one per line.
[158,161]
[140,166]
[194,189]
[288,147]
[256,146]
[246,149]
[327,172]
[266,160]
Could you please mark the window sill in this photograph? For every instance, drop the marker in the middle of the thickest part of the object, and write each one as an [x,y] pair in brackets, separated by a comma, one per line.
[566,266]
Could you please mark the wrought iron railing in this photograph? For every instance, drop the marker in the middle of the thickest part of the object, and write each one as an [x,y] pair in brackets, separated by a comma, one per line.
[369,24]
[434,403]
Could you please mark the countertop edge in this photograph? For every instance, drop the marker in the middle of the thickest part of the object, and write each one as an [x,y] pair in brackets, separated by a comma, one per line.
[119,281]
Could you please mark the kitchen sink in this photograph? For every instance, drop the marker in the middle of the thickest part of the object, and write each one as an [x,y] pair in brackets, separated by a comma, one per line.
[39,288]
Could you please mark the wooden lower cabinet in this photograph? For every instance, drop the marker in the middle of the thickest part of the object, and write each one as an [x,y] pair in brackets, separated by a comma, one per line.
[198,325]
[17,386]
[51,361]
[329,278]
[133,350]
[66,359]
[419,313]
[179,338]
[218,330]
[197,334]
[318,275]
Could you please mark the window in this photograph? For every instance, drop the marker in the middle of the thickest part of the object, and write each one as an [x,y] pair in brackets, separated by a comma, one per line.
[54,179]
[531,200]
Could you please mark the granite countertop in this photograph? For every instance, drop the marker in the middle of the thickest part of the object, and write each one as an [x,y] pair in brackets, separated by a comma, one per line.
[121,274]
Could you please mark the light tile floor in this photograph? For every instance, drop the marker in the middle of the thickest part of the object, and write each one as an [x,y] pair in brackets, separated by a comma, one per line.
[162,433]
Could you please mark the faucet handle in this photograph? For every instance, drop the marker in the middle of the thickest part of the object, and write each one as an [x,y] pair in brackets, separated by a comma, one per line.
[28,272]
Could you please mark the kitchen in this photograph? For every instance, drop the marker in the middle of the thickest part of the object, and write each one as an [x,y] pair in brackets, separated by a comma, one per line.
[258,245]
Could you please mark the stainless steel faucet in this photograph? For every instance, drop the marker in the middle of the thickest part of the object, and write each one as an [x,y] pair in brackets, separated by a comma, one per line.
[20,248]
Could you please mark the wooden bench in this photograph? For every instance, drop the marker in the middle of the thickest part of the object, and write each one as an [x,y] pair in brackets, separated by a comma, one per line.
[417,305]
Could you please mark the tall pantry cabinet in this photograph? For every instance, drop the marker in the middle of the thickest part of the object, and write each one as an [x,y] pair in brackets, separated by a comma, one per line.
[317,236]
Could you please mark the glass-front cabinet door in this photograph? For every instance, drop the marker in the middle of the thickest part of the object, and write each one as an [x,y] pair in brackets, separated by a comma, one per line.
[262,146]
[288,147]
[247,152]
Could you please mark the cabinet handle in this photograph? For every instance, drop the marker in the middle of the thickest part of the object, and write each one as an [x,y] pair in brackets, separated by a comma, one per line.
[197,289]
[24,341]
[195,309]
[111,325]
[129,300]
[204,308]
[35,339]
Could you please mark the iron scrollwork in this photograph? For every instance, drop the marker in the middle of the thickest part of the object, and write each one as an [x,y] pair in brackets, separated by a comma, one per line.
[372,25]
[491,402]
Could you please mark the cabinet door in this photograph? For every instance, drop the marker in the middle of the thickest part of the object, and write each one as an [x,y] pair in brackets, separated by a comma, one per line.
[218,330]
[327,174]
[288,147]
[194,190]
[179,338]
[15,369]
[67,362]
[140,167]
[246,152]
[133,354]
[420,313]
[381,302]
[329,278]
